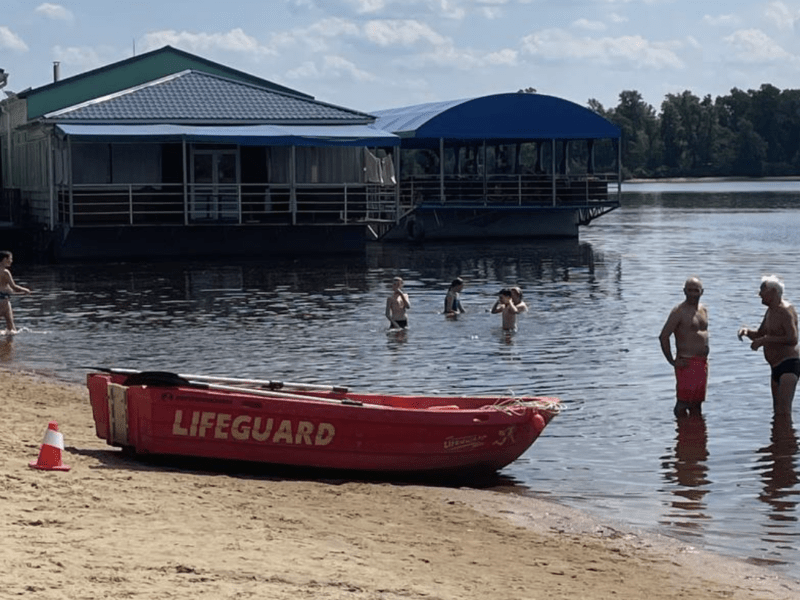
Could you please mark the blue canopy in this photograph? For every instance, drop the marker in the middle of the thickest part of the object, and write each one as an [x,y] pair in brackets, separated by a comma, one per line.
[514,116]
[244,135]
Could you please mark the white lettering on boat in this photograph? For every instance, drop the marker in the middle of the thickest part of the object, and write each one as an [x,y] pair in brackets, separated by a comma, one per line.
[223,426]
[464,443]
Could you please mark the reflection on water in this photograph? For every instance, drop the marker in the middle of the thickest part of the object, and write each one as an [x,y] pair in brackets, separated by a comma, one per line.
[6,348]
[687,472]
[590,337]
[777,466]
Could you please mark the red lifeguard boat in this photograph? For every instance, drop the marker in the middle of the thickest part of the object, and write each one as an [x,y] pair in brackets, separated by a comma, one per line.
[311,425]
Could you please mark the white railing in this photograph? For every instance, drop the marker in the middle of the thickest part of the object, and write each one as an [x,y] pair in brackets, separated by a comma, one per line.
[510,190]
[176,204]
[197,204]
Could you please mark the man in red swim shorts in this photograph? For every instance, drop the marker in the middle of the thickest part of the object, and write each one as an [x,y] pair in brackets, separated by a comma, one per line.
[688,322]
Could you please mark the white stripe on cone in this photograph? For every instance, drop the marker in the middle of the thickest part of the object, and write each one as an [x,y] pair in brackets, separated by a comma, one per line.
[54,438]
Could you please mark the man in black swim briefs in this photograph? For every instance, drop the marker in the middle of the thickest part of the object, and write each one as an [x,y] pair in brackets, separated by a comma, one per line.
[777,334]
[790,365]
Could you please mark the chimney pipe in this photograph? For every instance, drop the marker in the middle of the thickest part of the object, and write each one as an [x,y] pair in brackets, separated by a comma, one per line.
[56,70]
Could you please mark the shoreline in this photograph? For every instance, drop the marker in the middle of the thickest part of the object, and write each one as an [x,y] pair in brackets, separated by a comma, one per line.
[711,179]
[118,526]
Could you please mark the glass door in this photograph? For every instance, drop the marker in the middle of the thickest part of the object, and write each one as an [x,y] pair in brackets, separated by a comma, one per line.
[214,191]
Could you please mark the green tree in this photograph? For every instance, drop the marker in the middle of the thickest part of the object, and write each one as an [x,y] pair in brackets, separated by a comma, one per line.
[691,135]
[751,150]
[641,141]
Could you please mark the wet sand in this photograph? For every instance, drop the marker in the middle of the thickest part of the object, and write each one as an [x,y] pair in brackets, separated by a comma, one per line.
[117,527]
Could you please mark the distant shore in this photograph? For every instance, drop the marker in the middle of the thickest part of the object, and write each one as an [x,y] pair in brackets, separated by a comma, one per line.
[711,179]
[114,526]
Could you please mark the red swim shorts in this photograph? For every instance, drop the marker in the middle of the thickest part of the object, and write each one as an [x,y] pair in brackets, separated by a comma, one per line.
[692,379]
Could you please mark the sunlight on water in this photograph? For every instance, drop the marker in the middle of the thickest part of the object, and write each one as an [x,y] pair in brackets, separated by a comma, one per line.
[728,480]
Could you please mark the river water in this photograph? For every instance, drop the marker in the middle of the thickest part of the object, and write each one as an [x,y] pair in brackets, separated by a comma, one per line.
[727,481]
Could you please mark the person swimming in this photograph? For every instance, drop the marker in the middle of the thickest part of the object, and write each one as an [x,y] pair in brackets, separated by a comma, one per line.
[397,306]
[452,301]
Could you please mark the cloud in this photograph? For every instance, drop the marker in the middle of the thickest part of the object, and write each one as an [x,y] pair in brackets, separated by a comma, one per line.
[401,33]
[235,40]
[506,57]
[369,6]
[589,25]
[560,45]
[79,59]
[317,37]
[721,20]
[11,41]
[450,57]
[781,15]
[331,28]
[342,65]
[54,11]
[637,1]
[754,46]
[333,67]
[385,33]
[491,12]
[449,9]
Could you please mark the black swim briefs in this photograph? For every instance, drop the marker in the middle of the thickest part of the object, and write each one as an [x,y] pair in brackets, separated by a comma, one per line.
[790,365]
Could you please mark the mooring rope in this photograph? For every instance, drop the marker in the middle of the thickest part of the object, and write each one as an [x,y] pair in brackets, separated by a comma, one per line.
[516,406]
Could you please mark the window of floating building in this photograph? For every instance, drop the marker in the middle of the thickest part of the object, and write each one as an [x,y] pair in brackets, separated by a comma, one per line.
[419,162]
[329,164]
[95,163]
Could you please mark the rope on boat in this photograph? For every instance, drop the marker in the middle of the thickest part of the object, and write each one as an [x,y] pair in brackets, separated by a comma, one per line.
[516,406]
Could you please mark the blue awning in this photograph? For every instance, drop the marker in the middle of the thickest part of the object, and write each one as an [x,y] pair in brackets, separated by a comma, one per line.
[514,116]
[244,135]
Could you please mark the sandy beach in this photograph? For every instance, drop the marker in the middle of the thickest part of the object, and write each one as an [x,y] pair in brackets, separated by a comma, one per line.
[115,527]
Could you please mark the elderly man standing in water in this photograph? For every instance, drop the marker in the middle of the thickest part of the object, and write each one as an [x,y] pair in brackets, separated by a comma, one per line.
[777,334]
[688,322]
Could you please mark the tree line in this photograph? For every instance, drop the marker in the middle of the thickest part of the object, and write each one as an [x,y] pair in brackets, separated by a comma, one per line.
[752,134]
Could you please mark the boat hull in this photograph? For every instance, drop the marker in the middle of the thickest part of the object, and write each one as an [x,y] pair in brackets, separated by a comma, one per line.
[332,430]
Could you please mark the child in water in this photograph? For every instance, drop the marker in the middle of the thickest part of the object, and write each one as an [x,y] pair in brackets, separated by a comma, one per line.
[452,301]
[505,305]
[8,287]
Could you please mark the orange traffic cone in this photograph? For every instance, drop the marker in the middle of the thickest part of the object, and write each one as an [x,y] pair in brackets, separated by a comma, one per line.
[50,453]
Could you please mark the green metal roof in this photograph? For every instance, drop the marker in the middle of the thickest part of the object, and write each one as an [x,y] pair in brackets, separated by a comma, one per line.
[129,73]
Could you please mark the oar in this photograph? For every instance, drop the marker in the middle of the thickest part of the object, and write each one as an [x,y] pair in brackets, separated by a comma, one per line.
[270,394]
[275,385]
[166,378]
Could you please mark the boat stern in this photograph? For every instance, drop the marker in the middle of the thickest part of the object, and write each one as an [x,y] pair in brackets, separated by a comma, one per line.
[98,398]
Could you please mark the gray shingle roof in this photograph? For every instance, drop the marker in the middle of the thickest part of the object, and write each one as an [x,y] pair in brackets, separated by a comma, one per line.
[197,97]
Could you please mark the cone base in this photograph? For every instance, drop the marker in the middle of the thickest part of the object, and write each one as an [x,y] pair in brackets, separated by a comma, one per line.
[36,465]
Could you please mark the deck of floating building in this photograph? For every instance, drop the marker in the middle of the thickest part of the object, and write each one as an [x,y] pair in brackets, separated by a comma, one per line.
[505,165]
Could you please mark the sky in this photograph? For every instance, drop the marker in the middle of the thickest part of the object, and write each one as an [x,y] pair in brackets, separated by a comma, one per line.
[374,54]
